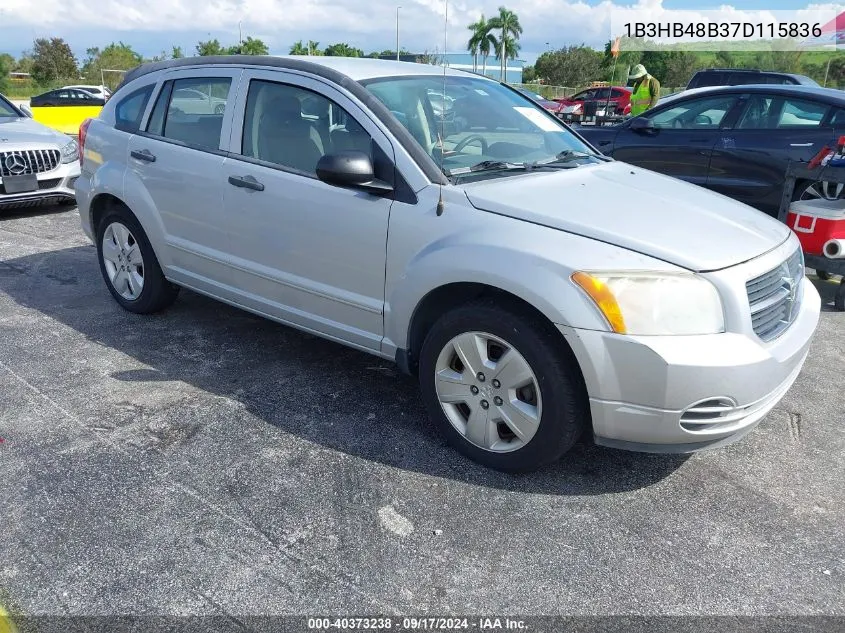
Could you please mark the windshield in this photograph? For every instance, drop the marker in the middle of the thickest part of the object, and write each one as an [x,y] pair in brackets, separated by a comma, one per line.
[481,123]
[7,109]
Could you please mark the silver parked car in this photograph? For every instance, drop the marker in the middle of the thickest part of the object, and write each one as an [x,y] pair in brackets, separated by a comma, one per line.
[37,164]
[537,288]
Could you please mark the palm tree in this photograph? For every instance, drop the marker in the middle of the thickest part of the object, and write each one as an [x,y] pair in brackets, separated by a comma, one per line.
[479,30]
[487,45]
[508,23]
[298,49]
[511,49]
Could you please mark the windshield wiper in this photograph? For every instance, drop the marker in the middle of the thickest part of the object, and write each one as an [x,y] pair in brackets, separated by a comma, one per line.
[568,155]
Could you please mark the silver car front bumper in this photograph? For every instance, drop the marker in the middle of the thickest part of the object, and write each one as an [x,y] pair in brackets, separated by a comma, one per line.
[686,393]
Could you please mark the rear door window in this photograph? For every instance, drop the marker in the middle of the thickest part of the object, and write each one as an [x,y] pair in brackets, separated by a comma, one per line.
[190,111]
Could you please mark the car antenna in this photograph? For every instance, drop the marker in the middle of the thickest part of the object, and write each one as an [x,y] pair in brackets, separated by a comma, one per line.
[443,108]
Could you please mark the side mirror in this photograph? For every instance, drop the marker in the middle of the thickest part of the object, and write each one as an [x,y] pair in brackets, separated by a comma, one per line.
[350,168]
[641,124]
[25,109]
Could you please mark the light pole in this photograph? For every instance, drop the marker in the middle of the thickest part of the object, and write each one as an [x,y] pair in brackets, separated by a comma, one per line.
[397,33]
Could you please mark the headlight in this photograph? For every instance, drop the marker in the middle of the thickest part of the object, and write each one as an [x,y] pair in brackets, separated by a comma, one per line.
[70,152]
[654,303]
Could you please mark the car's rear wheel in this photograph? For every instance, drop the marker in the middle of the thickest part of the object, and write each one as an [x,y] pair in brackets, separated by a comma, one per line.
[819,190]
[501,388]
[129,265]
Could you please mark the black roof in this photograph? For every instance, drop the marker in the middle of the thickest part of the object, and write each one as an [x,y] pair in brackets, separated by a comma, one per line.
[830,95]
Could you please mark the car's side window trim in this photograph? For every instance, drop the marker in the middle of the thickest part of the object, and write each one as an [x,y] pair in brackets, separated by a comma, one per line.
[206,73]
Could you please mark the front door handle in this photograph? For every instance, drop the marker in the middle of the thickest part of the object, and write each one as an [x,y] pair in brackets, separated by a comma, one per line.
[247,182]
[145,155]
[801,144]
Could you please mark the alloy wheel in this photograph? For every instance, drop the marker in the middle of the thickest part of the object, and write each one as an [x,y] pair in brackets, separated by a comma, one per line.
[123,261]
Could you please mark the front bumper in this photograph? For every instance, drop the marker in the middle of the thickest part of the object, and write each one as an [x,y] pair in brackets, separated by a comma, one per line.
[648,393]
[54,186]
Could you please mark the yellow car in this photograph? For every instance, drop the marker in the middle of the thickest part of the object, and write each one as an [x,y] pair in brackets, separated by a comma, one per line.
[65,109]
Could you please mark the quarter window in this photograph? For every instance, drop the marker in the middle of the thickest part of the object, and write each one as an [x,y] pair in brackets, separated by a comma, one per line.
[293,127]
[130,109]
[191,111]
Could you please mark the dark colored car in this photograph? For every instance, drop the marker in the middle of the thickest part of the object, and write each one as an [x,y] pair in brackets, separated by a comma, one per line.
[746,76]
[735,140]
[66,97]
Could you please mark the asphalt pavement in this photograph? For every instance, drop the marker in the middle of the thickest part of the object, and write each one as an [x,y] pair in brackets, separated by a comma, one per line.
[207,461]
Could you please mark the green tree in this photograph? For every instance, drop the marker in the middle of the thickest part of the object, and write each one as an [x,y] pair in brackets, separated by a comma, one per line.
[249,46]
[507,22]
[53,60]
[569,66]
[343,50]
[23,64]
[307,48]
[298,48]
[725,59]
[210,47]
[118,56]
[528,74]
[680,67]
[176,53]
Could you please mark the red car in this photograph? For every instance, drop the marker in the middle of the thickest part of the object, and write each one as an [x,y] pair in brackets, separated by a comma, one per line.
[592,101]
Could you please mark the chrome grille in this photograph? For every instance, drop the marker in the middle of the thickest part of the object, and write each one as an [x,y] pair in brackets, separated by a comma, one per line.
[774,297]
[28,161]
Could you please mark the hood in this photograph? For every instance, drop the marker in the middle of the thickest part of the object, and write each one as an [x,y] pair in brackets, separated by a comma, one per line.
[25,131]
[636,209]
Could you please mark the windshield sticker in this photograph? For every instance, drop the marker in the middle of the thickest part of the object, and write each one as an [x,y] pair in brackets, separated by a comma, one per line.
[538,119]
[481,92]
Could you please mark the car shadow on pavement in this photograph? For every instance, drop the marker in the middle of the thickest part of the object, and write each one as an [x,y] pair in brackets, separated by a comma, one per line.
[827,290]
[305,386]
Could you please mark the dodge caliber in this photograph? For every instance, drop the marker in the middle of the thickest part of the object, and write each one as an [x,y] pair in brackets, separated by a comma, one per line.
[538,290]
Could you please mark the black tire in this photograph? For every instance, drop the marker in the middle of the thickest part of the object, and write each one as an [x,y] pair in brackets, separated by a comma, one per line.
[565,412]
[157,293]
[802,186]
[823,275]
[839,298]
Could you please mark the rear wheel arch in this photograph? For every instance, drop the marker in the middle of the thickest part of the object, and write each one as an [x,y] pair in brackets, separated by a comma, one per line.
[100,206]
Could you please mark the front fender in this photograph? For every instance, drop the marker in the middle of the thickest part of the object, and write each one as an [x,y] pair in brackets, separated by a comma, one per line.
[529,261]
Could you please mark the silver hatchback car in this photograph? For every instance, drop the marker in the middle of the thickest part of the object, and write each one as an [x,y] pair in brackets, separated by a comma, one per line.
[537,288]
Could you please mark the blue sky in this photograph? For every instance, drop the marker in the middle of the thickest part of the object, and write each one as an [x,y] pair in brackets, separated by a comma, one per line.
[151,26]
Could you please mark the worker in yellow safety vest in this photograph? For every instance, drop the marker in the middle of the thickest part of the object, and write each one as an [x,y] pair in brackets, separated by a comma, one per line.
[645,92]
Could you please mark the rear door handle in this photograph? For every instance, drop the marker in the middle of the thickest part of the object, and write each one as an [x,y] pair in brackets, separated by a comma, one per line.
[247,182]
[801,144]
[144,155]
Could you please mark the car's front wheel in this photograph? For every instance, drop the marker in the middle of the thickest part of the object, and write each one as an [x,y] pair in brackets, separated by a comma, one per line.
[501,387]
[129,265]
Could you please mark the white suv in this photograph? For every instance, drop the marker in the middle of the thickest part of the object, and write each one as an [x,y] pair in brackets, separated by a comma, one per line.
[537,288]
